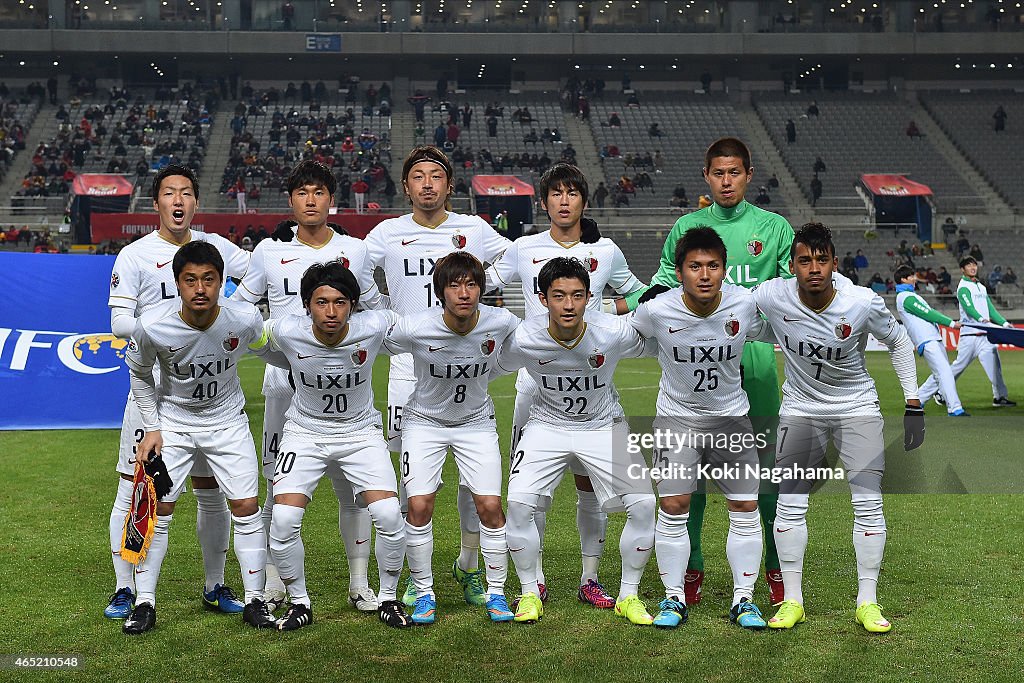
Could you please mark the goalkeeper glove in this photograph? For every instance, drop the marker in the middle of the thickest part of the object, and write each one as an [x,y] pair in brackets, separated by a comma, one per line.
[162,483]
[589,234]
[913,427]
[652,292]
[284,232]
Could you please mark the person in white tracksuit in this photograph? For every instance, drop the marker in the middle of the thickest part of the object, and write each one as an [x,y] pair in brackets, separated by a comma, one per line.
[921,322]
[975,306]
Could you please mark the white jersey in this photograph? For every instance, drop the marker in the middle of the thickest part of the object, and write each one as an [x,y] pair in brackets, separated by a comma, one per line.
[979,297]
[921,331]
[452,370]
[574,380]
[407,251]
[333,384]
[824,350]
[700,355]
[527,255]
[276,270]
[143,273]
[198,389]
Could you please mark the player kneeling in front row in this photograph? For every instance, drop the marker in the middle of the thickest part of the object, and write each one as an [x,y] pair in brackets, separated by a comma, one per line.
[571,354]
[331,421]
[453,354]
[198,409]
[828,392]
[701,328]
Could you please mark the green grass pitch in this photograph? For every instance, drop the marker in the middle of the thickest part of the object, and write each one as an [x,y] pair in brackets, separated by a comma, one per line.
[950,582]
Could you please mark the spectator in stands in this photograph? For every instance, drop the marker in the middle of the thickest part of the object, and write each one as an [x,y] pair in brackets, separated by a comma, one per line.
[627,186]
[860,261]
[812,109]
[453,133]
[287,15]
[877,284]
[619,198]
[819,165]
[359,188]
[679,198]
[944,278]
[913,131]
[790,131]
[569,154]
[583,108]
[995,278]
[773,182]
[963,245]
[816,190]
[440,135]
[847,263]
[999,119]
[555,135]
[658,161]
[763,198]
[613,120]
[977,255]
[419,104]
[600,194]
[705,81]
[531,137]
[643,180]
[239,191]
[654,131]
[1010,278]
[633,101]
[461,188]
[492,126]
[948,228]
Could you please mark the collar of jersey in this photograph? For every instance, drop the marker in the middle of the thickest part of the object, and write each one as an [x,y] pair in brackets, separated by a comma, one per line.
[706,315]
[462,334]
[562,244]
[575,342]
[725,214]
[201,329]
[430,227]
[177,244]
[904,288]
[316,246]
[823,308]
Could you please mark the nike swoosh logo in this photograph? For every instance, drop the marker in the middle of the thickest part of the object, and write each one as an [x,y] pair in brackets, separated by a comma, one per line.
[545,362]
[674,330]
[790,320]
[285,262]
[361,541]
[161,265]
[511,550]
[407,243]
[275,481]
[540,260]
[436,348]
[869,533]
[256,571]
[301,357]
[175,350]
[642,550]
[746,574]
[131,461]
[491,566]
[782,531]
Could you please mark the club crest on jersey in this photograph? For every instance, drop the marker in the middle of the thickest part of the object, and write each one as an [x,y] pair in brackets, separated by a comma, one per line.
[755,247]
[732,327]
[230,342]
[596,360]
[115,280]
[359,356]
[843,329]
[132,346]
[487,347]
[343,260]
[591,263]
[459,240]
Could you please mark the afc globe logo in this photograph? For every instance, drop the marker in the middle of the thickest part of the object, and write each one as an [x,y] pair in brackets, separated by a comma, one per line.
[90,353]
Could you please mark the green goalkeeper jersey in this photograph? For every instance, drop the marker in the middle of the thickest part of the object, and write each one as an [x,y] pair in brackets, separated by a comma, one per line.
[758,243]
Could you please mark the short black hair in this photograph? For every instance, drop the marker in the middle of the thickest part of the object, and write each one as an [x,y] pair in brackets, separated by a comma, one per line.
[200,253]
[330,274]
[817,237]
[455,267]
[560,267]
[728,147]
[172,170]
[699,238]
[311,172]
[902,273]
[968,259]
[564,175]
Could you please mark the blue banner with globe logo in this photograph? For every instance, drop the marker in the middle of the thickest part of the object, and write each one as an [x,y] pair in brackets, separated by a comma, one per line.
[60,368]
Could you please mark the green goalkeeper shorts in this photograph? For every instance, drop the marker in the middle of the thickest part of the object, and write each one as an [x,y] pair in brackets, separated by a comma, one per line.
[761,384]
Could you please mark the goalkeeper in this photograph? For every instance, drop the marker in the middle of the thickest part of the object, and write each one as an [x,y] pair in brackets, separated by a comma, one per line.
[758,245]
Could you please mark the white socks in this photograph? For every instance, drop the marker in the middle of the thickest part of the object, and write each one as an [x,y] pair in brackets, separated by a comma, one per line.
[540,520]
[251,551]
[592,522]
[672,548]
[289,552]
[124,571]
[147,573]
[495,552]
[419,551]
[523,543]
[469,522]
[213,524]
[869,534]
[637,540]
[274,583]
[390,551]
[354,525]
[743,548]
[791,542]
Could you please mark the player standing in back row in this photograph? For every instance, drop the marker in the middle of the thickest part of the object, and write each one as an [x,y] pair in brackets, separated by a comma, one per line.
[563,196]
[407,248]
[142,278]
[758,243]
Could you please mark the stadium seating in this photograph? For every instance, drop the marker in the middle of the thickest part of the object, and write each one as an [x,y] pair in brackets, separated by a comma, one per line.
[16,118]
[858,133]
[967,119]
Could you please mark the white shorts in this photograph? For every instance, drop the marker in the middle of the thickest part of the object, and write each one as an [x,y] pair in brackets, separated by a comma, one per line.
[229,452]
[476,452]
[698,448]
[132,432]
[401,383]
[802,442]
[545,451]
[526,393]
[362,457]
